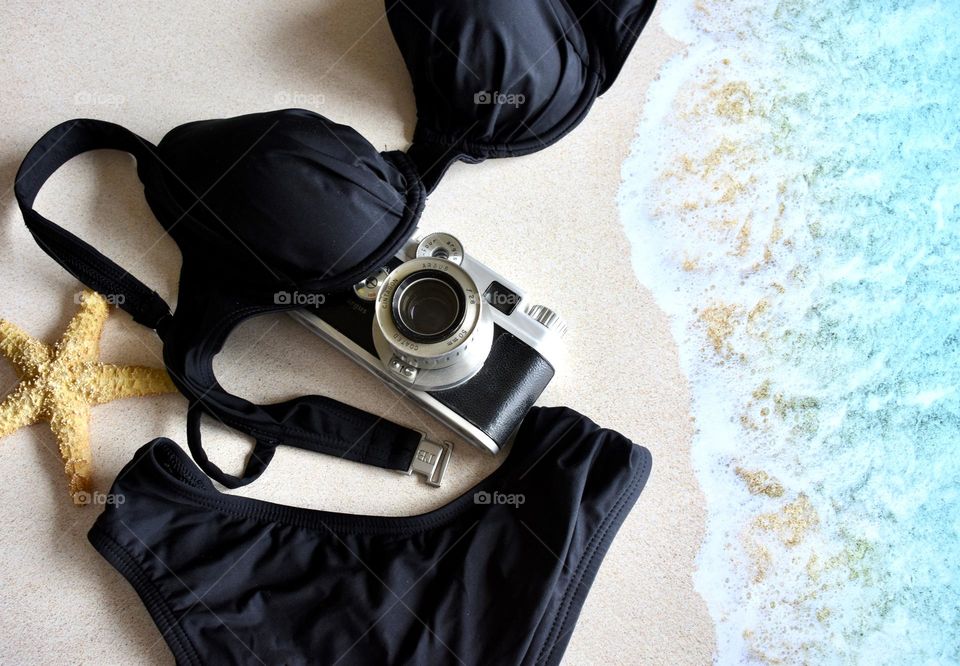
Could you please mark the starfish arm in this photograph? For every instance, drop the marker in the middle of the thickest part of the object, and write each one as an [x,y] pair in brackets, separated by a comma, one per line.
[70,423]
[24,352]
[81,340]
[112,382]
[20,408]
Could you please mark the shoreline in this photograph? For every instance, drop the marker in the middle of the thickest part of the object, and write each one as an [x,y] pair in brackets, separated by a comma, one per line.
[668,524]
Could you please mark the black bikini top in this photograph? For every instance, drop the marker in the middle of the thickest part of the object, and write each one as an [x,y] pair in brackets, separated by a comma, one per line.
[291,202]
[498,576]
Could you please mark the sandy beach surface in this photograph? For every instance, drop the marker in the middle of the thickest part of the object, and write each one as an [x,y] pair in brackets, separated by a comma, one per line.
[548,221]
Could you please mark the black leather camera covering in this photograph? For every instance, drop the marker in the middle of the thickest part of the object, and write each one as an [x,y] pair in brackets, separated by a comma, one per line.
[497,398]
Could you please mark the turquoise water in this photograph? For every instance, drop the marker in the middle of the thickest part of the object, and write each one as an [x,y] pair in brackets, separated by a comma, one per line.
[793,201]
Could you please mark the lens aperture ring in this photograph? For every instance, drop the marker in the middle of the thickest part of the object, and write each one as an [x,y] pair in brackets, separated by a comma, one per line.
[453,312]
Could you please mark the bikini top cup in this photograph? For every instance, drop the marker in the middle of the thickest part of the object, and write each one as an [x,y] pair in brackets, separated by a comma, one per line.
[497,576]
[503,78]
[284,202]
[289,202]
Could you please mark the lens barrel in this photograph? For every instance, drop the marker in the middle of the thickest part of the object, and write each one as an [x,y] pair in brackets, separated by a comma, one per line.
[428,306]
[429,314]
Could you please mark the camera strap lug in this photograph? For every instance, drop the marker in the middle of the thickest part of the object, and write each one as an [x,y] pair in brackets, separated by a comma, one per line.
[430,460]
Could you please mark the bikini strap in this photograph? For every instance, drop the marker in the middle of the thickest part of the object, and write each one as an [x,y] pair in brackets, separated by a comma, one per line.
[83,261]
[310,422]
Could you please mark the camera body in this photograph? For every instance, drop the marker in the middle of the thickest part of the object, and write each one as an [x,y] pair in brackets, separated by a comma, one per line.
[445,330]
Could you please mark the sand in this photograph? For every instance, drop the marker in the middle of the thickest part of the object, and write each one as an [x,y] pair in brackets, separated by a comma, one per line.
[547,221]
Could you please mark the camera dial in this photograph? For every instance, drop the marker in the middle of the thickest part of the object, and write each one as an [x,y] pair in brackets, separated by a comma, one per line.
[441,246]
[547,318]
[368,287]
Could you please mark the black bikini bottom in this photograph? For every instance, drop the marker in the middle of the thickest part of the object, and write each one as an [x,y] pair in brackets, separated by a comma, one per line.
[497,576]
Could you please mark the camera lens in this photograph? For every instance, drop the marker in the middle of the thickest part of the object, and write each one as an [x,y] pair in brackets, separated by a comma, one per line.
[429,314]
[428,306]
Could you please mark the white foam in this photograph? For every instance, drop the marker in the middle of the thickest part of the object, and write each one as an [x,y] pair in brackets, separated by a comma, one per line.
[791,201]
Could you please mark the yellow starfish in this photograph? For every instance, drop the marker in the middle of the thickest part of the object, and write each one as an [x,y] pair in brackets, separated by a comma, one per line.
[59,384]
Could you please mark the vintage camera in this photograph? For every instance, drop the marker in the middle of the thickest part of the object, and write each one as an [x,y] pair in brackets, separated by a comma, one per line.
[448,332]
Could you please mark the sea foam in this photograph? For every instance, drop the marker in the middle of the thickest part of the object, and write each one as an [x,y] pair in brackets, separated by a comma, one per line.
[792,199]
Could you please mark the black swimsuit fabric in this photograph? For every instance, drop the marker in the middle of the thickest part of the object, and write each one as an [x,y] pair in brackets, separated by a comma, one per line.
[232,580]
